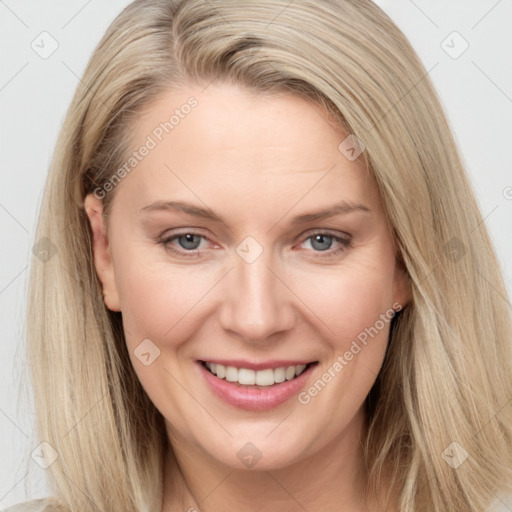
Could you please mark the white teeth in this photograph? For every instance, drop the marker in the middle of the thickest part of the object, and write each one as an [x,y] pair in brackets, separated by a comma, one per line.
[221,371]
[299,369]
[279,375]
[248,377]
[232,374]
[290,372]
[265,377]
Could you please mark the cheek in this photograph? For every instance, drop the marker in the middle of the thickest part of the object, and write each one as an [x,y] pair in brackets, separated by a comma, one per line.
[156,299]
[350,298]
[357,308]
[164,304]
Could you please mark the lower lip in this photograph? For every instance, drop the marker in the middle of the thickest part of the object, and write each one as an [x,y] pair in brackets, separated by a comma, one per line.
[255,398]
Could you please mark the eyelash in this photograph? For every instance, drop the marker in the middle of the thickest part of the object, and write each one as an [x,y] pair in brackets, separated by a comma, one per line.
[345,243]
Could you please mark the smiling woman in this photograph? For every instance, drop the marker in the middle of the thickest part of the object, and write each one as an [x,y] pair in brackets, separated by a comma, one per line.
[286,288]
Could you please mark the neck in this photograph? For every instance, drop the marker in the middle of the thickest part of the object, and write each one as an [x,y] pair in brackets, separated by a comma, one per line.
[333,478]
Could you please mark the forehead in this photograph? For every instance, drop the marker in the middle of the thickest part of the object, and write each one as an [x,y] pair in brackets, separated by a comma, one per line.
[229,143]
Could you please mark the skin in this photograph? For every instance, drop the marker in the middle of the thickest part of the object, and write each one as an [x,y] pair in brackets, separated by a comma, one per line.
[256,161]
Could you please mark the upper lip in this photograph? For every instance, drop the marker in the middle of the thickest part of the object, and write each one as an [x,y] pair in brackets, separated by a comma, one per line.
[262,365]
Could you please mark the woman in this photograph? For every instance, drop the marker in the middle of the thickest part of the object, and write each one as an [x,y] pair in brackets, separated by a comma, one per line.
[272,286]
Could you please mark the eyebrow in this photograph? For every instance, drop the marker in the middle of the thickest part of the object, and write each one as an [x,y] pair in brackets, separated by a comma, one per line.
[341,207]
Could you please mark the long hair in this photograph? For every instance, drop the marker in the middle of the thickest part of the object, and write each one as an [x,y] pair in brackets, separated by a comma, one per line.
[442,391]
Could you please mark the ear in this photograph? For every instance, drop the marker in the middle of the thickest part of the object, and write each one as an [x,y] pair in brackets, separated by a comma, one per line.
[101,249]
[402,291]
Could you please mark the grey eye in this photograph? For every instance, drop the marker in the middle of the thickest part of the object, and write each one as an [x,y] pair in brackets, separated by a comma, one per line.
[321,242]
[189,241]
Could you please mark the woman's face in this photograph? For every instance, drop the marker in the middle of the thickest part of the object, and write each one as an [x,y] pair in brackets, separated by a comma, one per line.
[245,238]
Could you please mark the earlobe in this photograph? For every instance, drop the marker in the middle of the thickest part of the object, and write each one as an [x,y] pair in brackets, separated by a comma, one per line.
[402,292]
[101,250]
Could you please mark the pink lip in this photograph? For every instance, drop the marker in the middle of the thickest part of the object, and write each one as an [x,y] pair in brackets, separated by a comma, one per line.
[257,398]
[272,364]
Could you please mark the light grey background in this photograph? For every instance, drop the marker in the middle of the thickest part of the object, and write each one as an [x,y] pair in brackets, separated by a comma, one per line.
[475,88]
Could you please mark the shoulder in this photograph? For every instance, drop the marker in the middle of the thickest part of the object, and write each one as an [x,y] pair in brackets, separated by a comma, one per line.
[41,505]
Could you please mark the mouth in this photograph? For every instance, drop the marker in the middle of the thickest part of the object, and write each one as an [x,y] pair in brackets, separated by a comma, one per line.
[262,387]
[256,378]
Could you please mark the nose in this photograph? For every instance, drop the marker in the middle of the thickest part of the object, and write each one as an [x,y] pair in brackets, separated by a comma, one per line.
[257,302]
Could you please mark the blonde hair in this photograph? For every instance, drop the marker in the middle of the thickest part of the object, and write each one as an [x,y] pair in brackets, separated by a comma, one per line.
[447,373]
